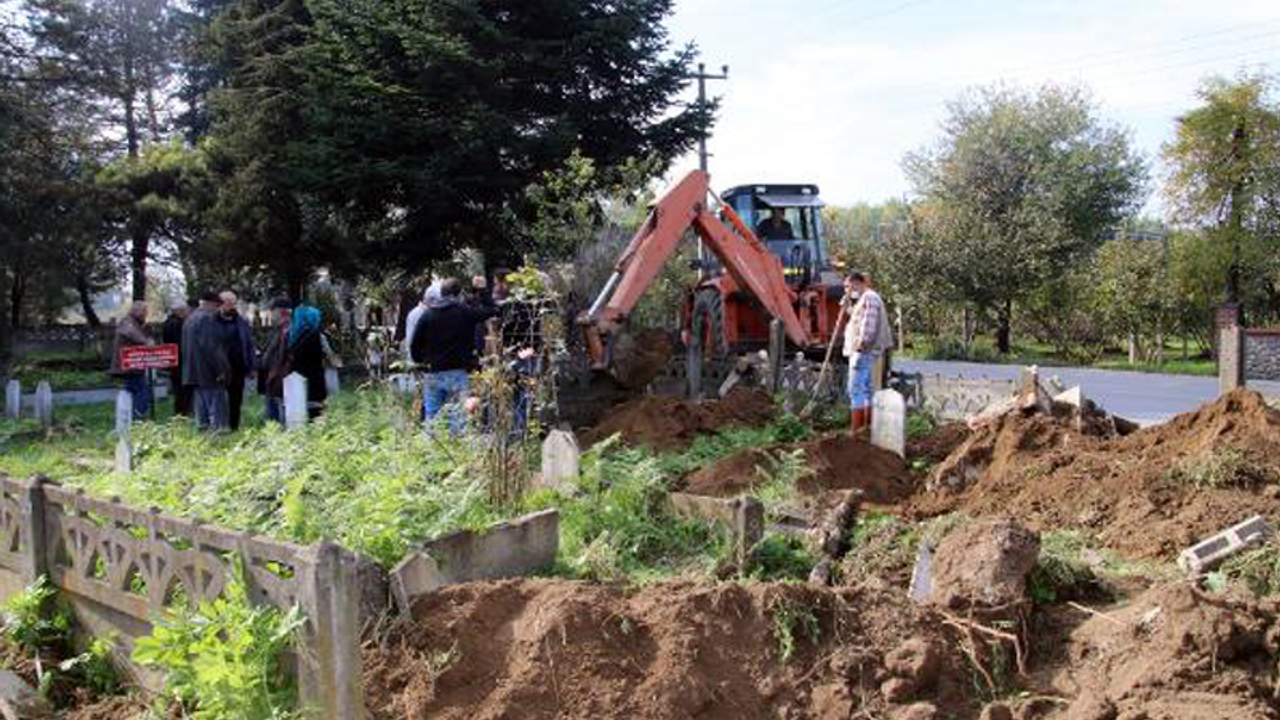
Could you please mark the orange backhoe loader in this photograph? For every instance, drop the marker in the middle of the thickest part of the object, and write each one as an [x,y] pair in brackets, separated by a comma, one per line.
[749,281]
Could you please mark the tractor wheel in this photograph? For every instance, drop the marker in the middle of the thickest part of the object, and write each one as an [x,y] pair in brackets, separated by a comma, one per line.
[706,337]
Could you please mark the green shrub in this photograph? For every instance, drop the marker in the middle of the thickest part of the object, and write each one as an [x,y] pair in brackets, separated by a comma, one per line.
[779,558]
[1062,572]
[222,660]
[1257,569]
[34,620]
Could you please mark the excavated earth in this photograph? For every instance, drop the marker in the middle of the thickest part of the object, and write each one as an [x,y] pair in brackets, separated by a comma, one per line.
[665,422]
[836,462]
[533,649]
[559,649]
[1146,495]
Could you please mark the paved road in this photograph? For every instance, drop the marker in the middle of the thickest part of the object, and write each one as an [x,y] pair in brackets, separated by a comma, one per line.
[1143,397]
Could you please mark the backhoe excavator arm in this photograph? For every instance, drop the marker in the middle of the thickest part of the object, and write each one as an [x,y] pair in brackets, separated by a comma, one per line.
[745,258]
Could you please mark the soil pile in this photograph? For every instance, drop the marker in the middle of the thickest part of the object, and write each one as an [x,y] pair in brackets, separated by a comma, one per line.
[1175,653]
[556,649]
[1149,494]
[835,462]
[663,422]
[939,444]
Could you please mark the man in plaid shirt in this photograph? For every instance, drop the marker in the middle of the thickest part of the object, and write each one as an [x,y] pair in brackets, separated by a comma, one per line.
[866,336]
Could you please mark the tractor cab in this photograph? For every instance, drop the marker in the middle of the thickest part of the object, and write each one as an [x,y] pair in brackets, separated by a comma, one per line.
[788,219]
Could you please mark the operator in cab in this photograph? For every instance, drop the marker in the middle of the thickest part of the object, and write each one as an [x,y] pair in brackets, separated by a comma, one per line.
[775,227]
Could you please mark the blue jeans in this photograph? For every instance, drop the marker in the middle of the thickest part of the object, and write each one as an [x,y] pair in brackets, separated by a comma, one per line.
[140,389]
[275,408]
[859,387]
[213,409]
[446,388]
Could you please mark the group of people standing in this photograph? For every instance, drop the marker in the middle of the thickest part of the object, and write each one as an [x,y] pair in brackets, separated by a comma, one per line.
[448,332]
[218,356]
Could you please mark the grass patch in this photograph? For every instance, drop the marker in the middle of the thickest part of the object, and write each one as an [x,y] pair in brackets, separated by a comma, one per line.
[1257,569]
[63,371]
[616,525]
[793,620]
[1222,467]
[983,351]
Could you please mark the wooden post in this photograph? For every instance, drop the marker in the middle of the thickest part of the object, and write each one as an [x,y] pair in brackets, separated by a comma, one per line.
[777,354]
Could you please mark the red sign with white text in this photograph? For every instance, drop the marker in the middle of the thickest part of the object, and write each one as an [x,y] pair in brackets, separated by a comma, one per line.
[149,357]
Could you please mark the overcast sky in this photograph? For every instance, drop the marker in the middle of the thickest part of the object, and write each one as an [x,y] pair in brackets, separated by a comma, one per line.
[836,91]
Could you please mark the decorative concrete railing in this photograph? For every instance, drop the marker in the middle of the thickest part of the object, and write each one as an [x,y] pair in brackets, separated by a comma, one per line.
[119,567]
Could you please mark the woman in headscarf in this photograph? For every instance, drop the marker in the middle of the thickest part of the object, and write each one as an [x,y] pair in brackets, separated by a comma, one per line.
[306,353]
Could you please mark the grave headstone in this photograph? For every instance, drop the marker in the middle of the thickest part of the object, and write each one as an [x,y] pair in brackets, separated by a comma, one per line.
[295,401]
[889,422]
[124,455]
[1073,397]
[44,404]
[124,413]
[560,459]
[331,381]
[13,399]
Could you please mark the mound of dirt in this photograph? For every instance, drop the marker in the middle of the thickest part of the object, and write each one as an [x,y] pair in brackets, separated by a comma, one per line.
[937,445]
[836,462]
[1174,653]
[669,423]
[983,564]
[537,649]
[1148,495]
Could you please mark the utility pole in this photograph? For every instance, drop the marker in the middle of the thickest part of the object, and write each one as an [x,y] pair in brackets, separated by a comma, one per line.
[702,77]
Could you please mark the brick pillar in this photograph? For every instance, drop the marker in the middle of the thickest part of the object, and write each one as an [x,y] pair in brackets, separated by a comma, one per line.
[1231,351]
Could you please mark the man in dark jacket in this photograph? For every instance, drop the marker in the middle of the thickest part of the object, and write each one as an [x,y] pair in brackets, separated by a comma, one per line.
[206,363]
[242,353]
[171,334]
[132,332]
[444,344]
[274,365]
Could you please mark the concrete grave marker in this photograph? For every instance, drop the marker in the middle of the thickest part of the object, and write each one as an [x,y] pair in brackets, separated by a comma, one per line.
[13,400]
[889,422]
[124,413]
[1073,397]
[44,404]
[295,401]
[331,381]
[124,456]
[560,459]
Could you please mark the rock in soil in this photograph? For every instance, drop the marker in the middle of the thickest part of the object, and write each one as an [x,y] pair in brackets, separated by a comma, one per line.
[983,564]
[19,701]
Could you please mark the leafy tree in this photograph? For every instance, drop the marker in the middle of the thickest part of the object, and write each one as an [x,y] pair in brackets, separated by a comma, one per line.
[117,57]
[1020,187]
[1225,182]
[442,114]
[1131,293]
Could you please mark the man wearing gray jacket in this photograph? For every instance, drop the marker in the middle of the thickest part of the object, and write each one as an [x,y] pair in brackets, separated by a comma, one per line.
[206,363]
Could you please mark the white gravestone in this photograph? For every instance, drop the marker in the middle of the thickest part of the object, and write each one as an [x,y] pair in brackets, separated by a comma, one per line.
[44,404]
[13,400]
[295,401]
[331,382]
[124,456]
[560,460]
[124,413]
[889,422]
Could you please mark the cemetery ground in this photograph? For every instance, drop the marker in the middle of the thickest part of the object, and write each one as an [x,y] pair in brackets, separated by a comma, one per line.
[1051,542]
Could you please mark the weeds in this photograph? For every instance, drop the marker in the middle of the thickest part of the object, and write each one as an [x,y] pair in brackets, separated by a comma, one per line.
[781,472]
[1063,572]
[222,660]
[1221,467]
[617,525]
[779,558]
[1257,569]
[920,424]
[34,620]
[792,620]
